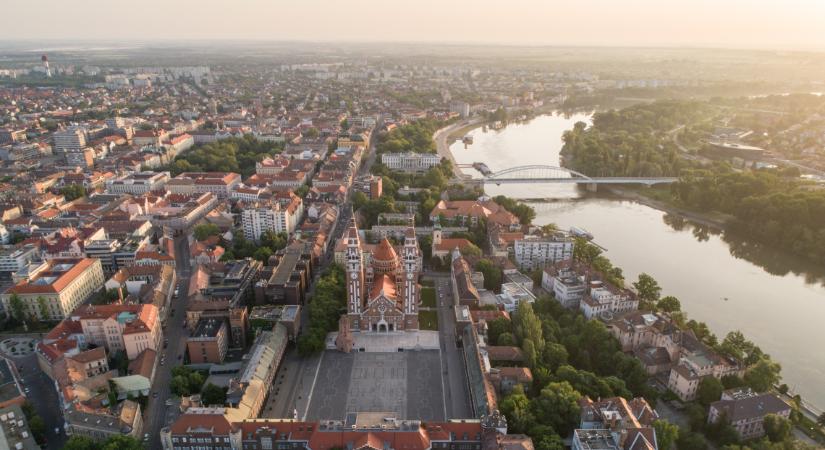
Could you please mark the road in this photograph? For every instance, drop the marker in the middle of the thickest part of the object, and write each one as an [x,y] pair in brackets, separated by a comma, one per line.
[43,397]
[456,393]
[157,414]
[440,138]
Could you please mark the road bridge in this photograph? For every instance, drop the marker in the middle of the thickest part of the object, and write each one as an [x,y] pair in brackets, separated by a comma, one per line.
[561,175]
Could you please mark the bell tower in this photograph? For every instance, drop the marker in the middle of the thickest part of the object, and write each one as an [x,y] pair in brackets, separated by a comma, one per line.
[410,268]
[355,273]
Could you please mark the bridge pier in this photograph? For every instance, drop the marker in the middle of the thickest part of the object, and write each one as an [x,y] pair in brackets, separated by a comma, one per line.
[592,187]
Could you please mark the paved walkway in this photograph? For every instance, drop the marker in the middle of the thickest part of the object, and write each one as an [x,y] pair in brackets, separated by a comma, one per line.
[390,342]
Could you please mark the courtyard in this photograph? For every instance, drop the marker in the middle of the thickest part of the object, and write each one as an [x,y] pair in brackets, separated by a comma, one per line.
[406,385]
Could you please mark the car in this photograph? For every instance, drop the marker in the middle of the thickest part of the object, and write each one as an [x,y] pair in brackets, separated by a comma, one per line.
[169,402]
[146,437]
[162,362]
[155,394]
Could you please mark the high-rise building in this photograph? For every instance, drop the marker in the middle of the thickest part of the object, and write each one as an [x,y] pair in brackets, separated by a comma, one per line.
[271,216]
[71,139]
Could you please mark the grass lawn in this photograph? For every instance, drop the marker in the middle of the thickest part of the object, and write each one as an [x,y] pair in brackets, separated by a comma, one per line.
[428,320]
[428,297]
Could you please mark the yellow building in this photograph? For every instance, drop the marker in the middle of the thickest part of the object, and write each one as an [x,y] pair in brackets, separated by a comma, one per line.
[55,289]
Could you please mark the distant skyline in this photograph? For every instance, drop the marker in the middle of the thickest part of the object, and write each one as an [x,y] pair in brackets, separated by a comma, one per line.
[774,24]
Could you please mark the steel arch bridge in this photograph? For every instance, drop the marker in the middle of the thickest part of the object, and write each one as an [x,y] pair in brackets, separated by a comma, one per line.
[554,174]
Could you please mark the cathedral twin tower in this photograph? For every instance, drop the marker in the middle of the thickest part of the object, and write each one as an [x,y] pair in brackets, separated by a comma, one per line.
[382,296]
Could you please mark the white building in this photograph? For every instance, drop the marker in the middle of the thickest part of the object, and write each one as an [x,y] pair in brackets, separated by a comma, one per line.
[220,184]
[263,217]
[70,140]
[410,162]
[567,285]
[605,301]
[14,259]
[137,183]
[535,252]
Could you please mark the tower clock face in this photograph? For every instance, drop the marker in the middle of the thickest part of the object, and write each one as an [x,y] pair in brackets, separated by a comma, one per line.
[382,308]
[354,275]
[409,276]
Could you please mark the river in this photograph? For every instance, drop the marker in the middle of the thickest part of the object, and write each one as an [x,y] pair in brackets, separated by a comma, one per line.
[776,300]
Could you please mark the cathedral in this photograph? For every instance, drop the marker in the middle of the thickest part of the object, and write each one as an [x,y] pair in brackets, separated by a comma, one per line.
[382,296]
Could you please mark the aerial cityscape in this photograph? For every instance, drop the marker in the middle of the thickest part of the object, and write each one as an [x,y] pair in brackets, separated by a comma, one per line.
[371,226]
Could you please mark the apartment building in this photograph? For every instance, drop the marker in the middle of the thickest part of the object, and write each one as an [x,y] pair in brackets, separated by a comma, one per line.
[271,216]
[534,252]
[664,348]
[745,411]
[57,289]
[605,301]
[614,424]
[566,283]
[69,140]
[209,341]
[116,327]
[14,259]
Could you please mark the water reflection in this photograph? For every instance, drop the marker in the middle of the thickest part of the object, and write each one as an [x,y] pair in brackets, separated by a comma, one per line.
[771,260]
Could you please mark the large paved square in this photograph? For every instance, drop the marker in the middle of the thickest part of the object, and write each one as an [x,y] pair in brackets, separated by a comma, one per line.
[406,384]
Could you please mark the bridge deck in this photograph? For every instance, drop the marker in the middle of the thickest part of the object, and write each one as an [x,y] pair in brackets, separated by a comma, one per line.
[576,180]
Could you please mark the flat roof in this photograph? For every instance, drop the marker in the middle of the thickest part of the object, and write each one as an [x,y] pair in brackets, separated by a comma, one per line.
[207,328]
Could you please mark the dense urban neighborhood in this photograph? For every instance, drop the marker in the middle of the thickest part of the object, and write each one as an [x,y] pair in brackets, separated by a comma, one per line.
[238,254]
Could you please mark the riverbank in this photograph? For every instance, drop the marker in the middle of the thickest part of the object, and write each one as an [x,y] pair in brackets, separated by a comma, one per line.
[713,220]
[726,282]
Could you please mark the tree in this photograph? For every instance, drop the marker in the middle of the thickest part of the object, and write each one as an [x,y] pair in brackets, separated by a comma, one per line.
[669,304]
[78,442]
[492,274]
[527,325]
[506,339]
[213,395]
[495,328]
[73,191]
[516,408]
[471,250]
[204,230]
[558,406]
[359,199]
[548,441]
[122,442]
[18,308]
[38,428]
[44,308]
[709,390]
[274,241]
[777,428]
[648,288]
[763,375]
[531,355]
[690,441]
[262,254]
[180,386]
[666,433]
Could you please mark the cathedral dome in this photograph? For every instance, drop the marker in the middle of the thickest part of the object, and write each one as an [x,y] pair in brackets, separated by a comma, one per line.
[384,259]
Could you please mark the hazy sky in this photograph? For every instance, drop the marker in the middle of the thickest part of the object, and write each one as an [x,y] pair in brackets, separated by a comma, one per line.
[729,23]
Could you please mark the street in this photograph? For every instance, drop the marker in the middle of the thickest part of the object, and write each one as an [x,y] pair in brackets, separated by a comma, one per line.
[452,360]
[157,413]
[43,397]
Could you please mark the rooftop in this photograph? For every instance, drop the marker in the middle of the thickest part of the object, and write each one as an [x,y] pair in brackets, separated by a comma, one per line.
[208,328]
